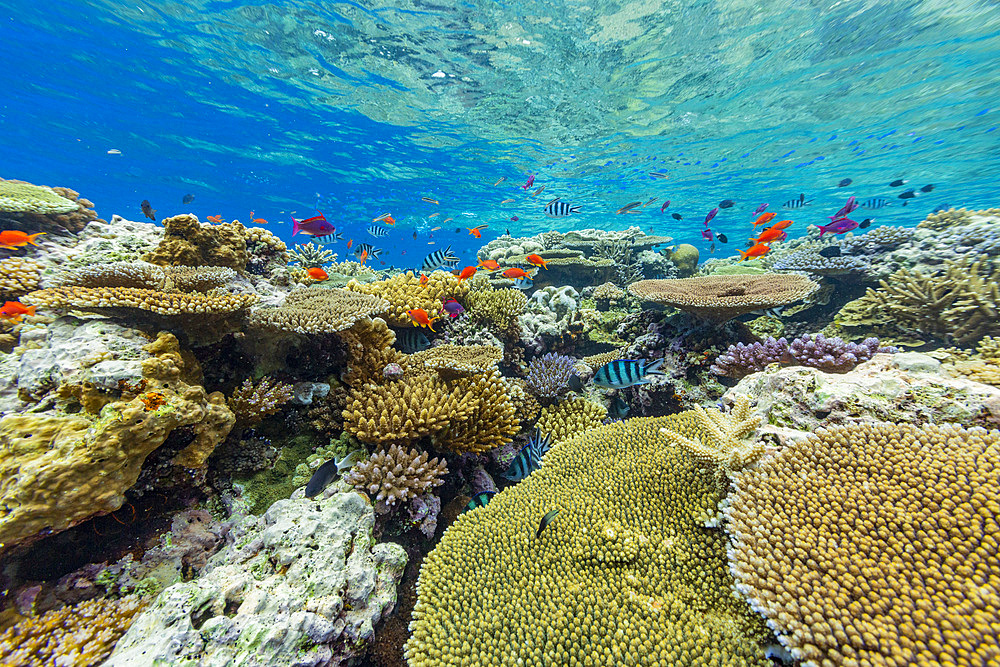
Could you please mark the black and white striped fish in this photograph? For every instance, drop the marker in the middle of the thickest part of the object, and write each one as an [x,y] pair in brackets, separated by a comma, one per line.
[560,209]
[373,252]
[876,202]
[479,500]
[627,372]
[797,203]
[412,340]
[438,259]
[529,458]
[328,238]
[378,232]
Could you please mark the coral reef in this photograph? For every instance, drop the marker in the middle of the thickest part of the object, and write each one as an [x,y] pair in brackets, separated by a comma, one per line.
[833,355]
[33,207]
[405,292]
[187,242]
[608,295]
[570,417]
[396,475]
[553,318]
[496,308]
[720,298]
[317,309]
[251,403]
[310,255]
[548,376]
[303,584]
[625,570]
[900,573]
[810,261]
[18,276]
[457,361]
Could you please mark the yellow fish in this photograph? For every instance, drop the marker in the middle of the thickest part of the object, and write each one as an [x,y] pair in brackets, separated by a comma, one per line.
[507,201]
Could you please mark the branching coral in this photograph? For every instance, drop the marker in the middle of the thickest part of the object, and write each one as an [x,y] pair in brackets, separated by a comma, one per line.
[80,635]
[18,276]
[251,403]
[832,355]
[497,308]
[548,376]
[874,545]
[317,310]
[720,298]
[625,574]
[187,242]
[570,417]
[405,292]
[608,295]
[396,475]
[726,442]
[310,255]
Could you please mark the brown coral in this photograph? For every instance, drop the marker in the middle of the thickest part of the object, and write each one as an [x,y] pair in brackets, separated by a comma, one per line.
[252,403]
[397,475]
[492,421]
[720,298]
[39,207]
[405,292]
[875,545]
[187,242]
[455,361]
[570,417]
[317,309]
[18,276]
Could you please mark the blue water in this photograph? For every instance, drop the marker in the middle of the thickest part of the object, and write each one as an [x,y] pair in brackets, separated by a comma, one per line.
[359,109]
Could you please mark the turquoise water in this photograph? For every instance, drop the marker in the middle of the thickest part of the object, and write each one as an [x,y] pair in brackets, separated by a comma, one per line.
[361,109]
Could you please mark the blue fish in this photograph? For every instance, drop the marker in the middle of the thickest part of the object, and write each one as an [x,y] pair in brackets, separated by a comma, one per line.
[529,459]
[626,372]
[618,408]
[329,238]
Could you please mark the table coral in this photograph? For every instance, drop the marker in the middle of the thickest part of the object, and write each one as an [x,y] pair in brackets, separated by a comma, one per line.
[405,292]
[626,573]
[875,545]
[721,298]
[187,242]
[317,309]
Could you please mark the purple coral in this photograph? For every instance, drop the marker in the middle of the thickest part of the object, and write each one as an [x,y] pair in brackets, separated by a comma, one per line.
[833,355]
[392,371]
[548,375]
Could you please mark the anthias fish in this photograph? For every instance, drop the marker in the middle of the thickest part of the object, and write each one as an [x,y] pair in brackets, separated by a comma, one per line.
[711,214]
[15,310]
[11,239]
[764,219]
[317,273]
[627,373]
[845,209]
[452,307]
[536,260]
[756,250]
[840,226]
[314,226]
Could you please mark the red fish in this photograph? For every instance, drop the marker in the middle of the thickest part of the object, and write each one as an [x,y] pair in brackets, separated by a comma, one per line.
[531,181]
[488,264]
[515,273]
[783,224]
[363,257]
[467,273]
[536,260]
[423,279]
[768,235]
[314,226]
[317,273]
[215,218]
[764,219]
[350,242]
[757,250]
[11,239]
[420,318]
[15,310]
[389,220]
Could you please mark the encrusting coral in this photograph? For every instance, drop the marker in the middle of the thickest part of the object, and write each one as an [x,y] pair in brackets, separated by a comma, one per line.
[251,403]
[18,276]
[875,545]
[80,635]
[570,417]
[720,298]
[187,242]
[40,207]
[624,574]
[317,309]
[405,292]
[396,475]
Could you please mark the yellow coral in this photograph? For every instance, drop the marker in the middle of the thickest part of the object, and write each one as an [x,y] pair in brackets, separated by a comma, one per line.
[18,276]
[396,475]
[875,545]
[570,417]
[492,422]
[727,443]
[496,307]
[109,299]
[318,310]
[625,574]
[187,242]
[454,361]
[369,347]
[404,292]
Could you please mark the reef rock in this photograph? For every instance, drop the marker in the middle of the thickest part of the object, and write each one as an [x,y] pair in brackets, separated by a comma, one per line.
[305,584]
[794,401]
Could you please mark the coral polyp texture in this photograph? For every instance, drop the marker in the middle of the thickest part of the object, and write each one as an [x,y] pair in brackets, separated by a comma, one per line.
[875,545]
[833,355]
[18,276]
[312,310]
[455,361]
[548,375]
[624,574]
[721,298]
[188,242]
[405,292]
[397,475]
[570,417]
[251,403]
[21,197]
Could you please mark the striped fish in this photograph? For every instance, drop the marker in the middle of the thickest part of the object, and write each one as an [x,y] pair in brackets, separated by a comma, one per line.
[560,209]
[378,232]
[626,372]
[329,238]
[412,340]
[797,203]
[876,202]
[373,252]
[479,500]
[438,259]
[524,283]
[529,459]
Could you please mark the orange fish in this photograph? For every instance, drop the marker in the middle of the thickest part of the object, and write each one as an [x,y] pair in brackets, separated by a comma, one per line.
[215,218]
[11,239]
[764,219]
[433,215]
[317,273]
[423,279]
[475,231]
[350,242]
[781,225]
[420,318]
[768,235]
[14,310]
[515,273]
[536,260]
[507,201]
[757,250]
[488,264]
[467,272]
[389,220]
[259,221]
[363,257]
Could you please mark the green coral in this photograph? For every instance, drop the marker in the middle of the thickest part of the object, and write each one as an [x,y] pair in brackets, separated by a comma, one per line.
[497,307]
[27,198]
[684,257]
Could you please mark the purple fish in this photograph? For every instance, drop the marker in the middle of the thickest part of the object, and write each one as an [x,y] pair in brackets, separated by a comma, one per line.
[314,226]
[760,209]
[531,181]
[840,226]
[711,214]
[707,234]
[847,209]
[452,307]
[665,205]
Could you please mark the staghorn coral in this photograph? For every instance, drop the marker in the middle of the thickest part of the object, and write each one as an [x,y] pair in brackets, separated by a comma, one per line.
[404,292]
[81,635]
[726,443]
[570,417]
[497,308]
[942,220]
[311,255]
[18,276]
[832,355]
[902,572]
[455,361]
[720,298]
[317,309]
[625,574]
[492,422]
[251,403]
[396,475]
[187,242]
[548,376]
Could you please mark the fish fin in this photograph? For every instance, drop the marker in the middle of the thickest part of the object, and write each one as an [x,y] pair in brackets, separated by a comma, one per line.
[31,237]
[743,255]
[295,226]
[30,310]
[822,230]
[654,367]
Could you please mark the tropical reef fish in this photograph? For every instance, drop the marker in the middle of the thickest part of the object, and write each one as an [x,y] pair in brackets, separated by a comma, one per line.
[429,200]
[830,251]
[329,238]
[707,234]
[433,215]
[676,216]
[560,209]
[840,226]
[845,209]
[722,238]
[507,201]
[466,273]
[477,231]
[574,383]
[782,224]
[618,408]
[148,210]
[649,201]
[546,520]
[500,180]
[768,235]
[378,232]
[665,205]
[412,340]
[864,224]
[531,181]
[907,194]
[657,174]
[438,259]
[328,471]
[759,209]
[797,203]
[215,218]
[524,283]
[479,500]
[627,208]
[876,202]
[727,203]
[452,307]
[12,238]
[15,310]
[844,183]
[367,250]
[420,318]
[898,182]
[314,226]
[536,260]
[187,199]
[711,214]
[756,250]
[529,458]
[764,219]
[514,273]
[317,273]
[538,191]
[626,373]
[488,264]
[383,218]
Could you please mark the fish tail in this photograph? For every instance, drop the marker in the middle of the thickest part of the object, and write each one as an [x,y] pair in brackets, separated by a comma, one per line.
[743,255]
[295,226]
[654,367]
[31,238]
[30,310]
[822,230]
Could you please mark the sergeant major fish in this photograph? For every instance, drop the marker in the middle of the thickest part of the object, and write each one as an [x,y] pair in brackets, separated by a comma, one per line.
[627,372]
[560,209]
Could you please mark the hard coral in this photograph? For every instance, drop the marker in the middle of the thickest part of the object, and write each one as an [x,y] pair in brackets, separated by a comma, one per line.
[496,308]
[187,242]
[570,417]
[316,309]
[720,298]
[251,403]
[902,572]
[548,376]
[311,255]
[625,574]
[455,361]
[18,276]
[38,207]
[405,292]
[396,475]
[832,355]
